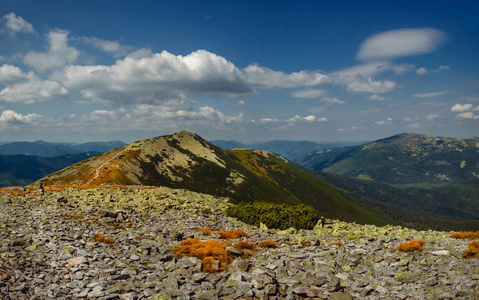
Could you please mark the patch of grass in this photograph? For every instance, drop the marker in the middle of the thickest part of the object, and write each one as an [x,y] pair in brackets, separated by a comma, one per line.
[205,231]
[103,239]
[208,251]
[268,244]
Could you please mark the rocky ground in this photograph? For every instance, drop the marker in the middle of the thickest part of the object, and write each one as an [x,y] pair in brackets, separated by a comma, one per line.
[48,251]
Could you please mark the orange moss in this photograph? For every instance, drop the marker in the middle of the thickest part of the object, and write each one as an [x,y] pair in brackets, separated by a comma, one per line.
[232,234]
[338,243]
[205,231]
[472,250]
[465,235]
[268,244]
[77,217]
[412,245]
[213,249]
[103,239]
[243,245]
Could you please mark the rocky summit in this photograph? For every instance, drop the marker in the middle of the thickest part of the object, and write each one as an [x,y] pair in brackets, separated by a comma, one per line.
[118,243]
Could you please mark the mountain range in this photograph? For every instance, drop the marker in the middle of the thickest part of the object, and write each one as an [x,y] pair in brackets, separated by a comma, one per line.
[45,149]
[185,160]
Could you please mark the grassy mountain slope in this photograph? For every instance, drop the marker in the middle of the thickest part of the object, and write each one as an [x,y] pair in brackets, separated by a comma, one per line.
[185,160]
[24,169]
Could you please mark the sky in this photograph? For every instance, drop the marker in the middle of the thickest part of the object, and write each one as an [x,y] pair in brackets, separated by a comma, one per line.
[252,71]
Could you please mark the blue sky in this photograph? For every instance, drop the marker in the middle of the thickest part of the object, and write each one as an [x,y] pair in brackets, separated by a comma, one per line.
[77,71]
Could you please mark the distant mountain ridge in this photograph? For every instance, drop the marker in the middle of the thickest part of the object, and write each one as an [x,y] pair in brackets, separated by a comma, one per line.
[185,160]
[402,159]
[17,170]
[292,150]
[45,149]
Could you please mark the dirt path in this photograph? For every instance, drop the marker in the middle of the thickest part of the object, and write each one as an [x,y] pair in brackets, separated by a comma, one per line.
[97,170]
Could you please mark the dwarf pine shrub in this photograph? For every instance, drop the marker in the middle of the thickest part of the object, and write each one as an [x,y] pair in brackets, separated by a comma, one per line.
[276,216]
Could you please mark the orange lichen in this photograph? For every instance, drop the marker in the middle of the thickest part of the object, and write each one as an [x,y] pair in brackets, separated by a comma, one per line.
[268,244]
[205,231]
[232,234]
[214,249]
[412,245]
[103,239]
[465,235]
[472,250]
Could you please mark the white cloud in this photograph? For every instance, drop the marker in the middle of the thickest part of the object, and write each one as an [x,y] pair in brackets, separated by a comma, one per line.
[400,43]
[461,107]
[360,78]
[323,119]
[12,119]
[388,121]
[403,68]
[467,115]
[331,100]
[157,78]
[371,86]
[424,71]
[27,87]
[308,93]
[431,117]
[378,98]
[14,24]
[406,119]
[297,118]
[274,79]
[430,95]
[112,47]
[240,103]
[415,125]
[58,55]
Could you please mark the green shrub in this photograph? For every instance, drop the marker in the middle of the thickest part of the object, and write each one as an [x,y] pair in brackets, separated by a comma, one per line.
[276,216]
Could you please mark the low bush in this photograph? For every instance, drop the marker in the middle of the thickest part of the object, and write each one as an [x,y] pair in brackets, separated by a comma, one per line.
[276,216]
[465,235]
[103,239]
[205,231]
[208,251]
[412,245]
[243,245]
[472,250]
[268,244]
[232,234]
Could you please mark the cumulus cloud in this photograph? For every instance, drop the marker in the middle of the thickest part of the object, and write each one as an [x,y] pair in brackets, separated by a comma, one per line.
[467,115]
[430,95]
[156,78]
[331,100]
[58,55]
[359,78]
[14,24]
[308,93]
[12,119]
[400,43]
[431,117]
[388,121]
[371,86]
[297,118]
[403,68]
[258,75]
[424,71]
[112,47]
[461,107]
[406,119]
[240,103]
[378,98]
[27,87]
